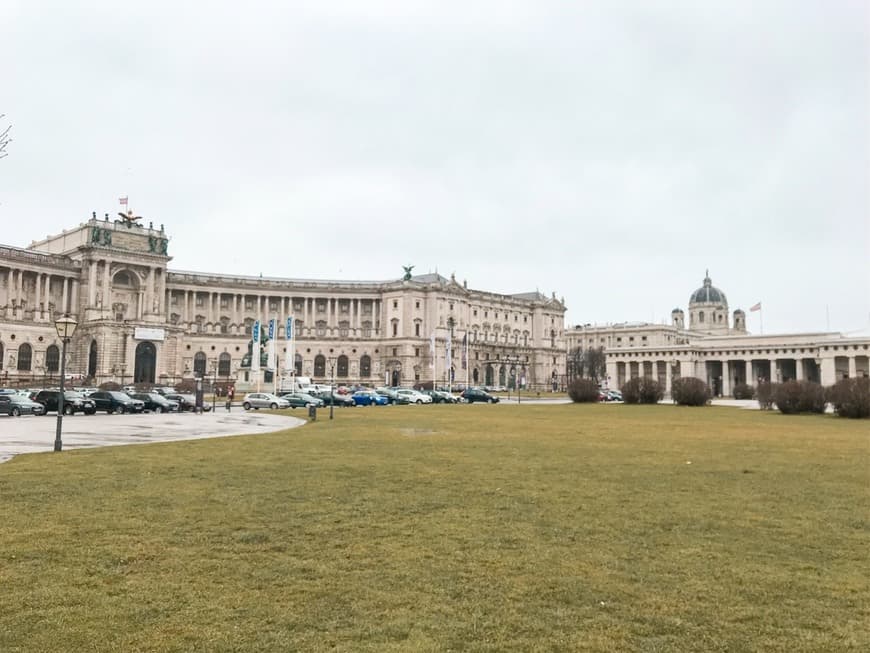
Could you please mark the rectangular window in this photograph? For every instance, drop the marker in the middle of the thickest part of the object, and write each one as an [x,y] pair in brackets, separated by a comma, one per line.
[249,304]
[417,304]
[475,312]
[199,300]
[395,304]
[417,329]
[417,352]
[395,351]
[395,328]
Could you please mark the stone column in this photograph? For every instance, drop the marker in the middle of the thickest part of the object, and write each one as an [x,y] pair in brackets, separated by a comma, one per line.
[749,379]
[726,378]
[853,371]
[185,306]
[827,371]
[92,284]
[74,297]
[107,296]
[48,295]
[799,369]
[668,377]
[64,302]
[149,292]
[37,305]
[774,376]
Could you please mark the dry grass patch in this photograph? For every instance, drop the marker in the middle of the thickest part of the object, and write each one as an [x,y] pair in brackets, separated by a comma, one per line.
[484,528]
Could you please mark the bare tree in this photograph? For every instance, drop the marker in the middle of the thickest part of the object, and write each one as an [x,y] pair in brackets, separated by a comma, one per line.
[4,138]
[589,363]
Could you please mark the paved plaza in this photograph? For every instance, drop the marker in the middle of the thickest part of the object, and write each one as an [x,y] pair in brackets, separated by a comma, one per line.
[31,434]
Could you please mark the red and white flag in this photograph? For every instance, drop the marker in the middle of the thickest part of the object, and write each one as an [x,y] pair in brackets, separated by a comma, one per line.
[756,307]
[123,201]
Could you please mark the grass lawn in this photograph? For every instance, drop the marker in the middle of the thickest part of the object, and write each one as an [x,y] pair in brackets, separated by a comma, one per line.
[437,528]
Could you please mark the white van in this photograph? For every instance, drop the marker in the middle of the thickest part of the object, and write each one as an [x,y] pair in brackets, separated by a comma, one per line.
[296,384]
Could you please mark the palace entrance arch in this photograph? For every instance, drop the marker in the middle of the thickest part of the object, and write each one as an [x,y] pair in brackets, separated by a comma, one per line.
[146,363]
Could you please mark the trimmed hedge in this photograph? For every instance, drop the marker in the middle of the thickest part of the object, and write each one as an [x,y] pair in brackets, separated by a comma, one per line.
[744,391]
[582,391]
[690,392]
[793,397]
[642,390]
[850,397]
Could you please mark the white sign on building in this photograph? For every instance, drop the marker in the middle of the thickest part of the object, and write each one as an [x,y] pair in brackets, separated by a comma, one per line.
[149,333]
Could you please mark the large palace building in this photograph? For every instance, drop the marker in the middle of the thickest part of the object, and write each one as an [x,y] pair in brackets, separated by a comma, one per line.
[716,347]
[139,321]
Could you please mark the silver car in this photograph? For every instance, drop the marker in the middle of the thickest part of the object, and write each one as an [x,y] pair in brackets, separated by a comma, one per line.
[257,400]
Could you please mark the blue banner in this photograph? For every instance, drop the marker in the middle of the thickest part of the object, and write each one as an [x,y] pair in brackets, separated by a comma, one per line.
[271,329]
[255,332]
[288,330]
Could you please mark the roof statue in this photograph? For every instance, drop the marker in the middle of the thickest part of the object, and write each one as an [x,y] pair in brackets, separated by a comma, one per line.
[407,269]
[128,217]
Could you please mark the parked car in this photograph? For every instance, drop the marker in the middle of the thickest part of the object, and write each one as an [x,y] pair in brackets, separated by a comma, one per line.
[337,399]
[165,390]
[111,401]
[156,403]
[369,398]
[413,396]
[73,402]
[441,396]
[16,405]
[301,400]
[472,395]
[614,395]
[257,400]
[392,395]
[187,402]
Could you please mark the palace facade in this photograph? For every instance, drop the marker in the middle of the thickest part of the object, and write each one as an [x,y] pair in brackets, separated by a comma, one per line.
[140,321]
[716,347]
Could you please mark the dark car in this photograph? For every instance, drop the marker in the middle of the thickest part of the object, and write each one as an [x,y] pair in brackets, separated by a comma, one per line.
[73,402]
[15,405]
[337,399]
[187,402]
[302,400]
[156,403]
[111,401]
[476,394]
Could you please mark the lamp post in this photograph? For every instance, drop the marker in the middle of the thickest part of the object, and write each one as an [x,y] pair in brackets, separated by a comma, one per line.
[332,388]
[65,326]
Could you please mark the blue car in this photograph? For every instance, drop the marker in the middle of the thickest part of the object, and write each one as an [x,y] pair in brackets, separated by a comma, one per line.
[369,398]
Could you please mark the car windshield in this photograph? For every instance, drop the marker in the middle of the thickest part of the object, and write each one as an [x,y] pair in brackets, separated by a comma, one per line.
[119,395]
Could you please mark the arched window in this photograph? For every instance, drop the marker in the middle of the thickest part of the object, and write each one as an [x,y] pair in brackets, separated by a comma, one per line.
[298,364]
[92,359]
[475,376]
[700,316]
[224,364]
[320,366]
[199,364]
[365,366]
[320,328]
[52,359]
[341,368]
[25,353]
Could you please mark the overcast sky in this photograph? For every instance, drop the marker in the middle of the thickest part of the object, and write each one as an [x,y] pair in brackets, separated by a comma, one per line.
[608,151]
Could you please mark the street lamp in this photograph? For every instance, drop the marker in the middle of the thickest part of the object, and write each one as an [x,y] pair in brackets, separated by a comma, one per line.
[332,389]
[66,327]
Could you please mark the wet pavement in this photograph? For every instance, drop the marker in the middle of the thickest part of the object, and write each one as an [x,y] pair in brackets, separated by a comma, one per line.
[33,434]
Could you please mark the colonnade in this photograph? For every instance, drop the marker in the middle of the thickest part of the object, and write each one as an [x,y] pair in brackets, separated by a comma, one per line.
[723,373]
[38,296]
[357,315]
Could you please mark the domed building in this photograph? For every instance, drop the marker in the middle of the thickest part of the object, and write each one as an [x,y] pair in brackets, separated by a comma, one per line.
[720,352]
